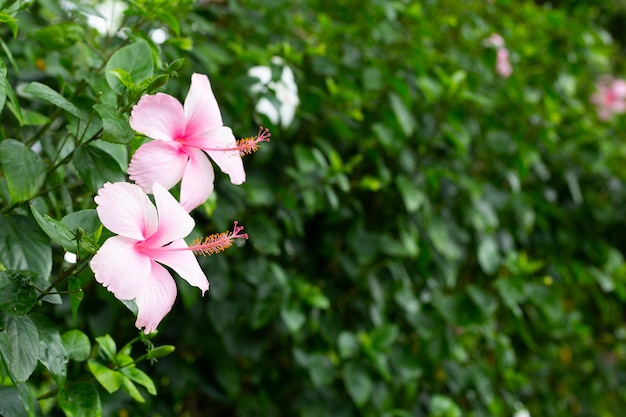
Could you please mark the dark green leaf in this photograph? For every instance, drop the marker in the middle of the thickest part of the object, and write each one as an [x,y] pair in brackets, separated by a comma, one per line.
[358,383]
[107,346]
[23,169]
[489,254]
[115,124]
[96,167]
[23,341]
[23,246]
[76,344]
[403,115]
[80,400]
[10,403]
[135,60]
[56,230]
[52,353]
[46,93]
[60,36]
[347,344]
[76,295]
[292,316]
[17,294]
[3,81]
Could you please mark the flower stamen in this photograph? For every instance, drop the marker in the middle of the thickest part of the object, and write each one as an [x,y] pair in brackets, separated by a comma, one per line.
[217,242]
[247,146]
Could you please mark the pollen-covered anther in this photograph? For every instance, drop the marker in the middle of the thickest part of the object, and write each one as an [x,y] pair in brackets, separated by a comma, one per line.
[217,242]
[250,145]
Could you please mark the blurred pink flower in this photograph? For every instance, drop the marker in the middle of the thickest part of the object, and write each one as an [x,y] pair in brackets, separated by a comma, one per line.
[495,41]
[183,138]
[609,97]
[503,62]
[130,265]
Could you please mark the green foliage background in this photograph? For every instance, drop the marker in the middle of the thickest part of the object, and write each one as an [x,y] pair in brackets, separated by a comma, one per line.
[426,239]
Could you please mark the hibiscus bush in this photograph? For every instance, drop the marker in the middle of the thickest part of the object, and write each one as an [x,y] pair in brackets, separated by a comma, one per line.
[434,229]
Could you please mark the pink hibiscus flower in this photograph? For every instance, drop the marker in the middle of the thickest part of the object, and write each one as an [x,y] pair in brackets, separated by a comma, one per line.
[503,62]
[184,136]
[610,97]
[130,265]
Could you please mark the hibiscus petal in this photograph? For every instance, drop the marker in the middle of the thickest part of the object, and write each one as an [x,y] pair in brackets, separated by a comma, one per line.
[156,299]
[158,116]
[197,183]
[120,268]
[174,222]
[184,262]
[201,110]
[157,161]
[125,209]
[229,161]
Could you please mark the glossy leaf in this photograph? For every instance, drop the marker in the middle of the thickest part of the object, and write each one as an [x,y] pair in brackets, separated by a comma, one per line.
[23,344]
[80,400]
[96,167]
[111,380]
[23,246]
[135,60]
[52,353]
[115,125]
[77,345]
[17,293]
[42,91]
[23,169]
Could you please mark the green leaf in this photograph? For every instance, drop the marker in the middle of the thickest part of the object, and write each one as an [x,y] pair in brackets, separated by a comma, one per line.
[80,400]
[292,316]
[11,23]
[17,294]
[140,377]
[24,170]
[27,398]
[3,81]
[383,337]
[56,230]
[23,246]
[52,353]
[64,232]
[412,196]
[132,390]
[76,344]
[85,219]
[442,406]
[46,93]
[358,383]
[111,380]
[23,341]
[13,105]
[403,115]
[489,254]
[135,60]
[60,36]
[10,403]
[116,128]
[107,346]
[347,344]
[76,295]
[96,167]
